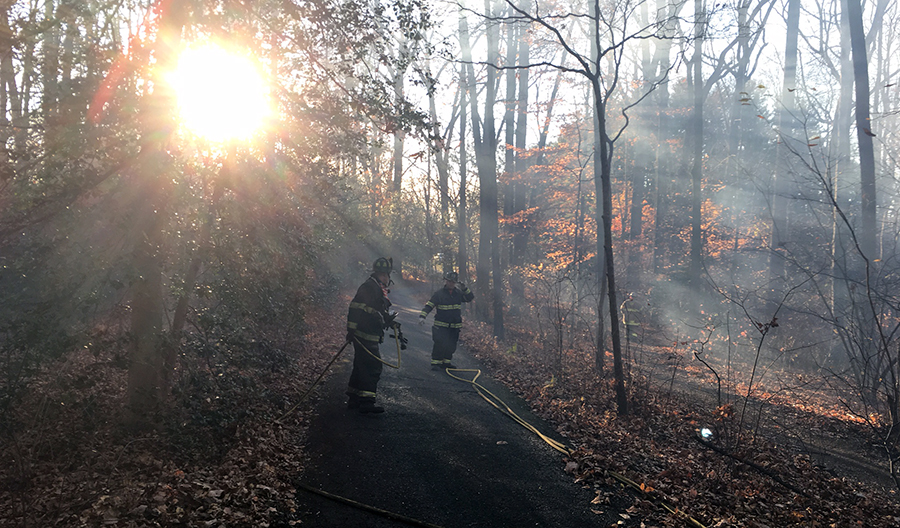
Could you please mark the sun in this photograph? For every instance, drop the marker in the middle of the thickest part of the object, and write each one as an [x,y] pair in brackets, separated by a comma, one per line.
[221,95]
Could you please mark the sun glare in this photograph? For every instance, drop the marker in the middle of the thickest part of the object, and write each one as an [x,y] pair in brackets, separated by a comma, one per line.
[221,95]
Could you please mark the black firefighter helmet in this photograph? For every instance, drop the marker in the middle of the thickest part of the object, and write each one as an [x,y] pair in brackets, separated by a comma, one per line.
[451,276]
[383,265]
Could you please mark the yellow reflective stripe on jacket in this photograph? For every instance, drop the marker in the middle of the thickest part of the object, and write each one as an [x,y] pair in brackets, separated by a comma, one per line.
[367,337]
[364,307]
[449,307]
[351,326]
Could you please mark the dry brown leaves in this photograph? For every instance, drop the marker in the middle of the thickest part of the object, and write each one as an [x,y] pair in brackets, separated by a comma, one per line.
[71,463]
[655,448]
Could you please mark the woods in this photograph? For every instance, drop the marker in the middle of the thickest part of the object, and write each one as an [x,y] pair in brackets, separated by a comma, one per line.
[633,189]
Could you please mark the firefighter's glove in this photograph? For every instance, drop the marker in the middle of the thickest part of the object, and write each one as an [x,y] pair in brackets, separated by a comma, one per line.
[461,286]
[421,320]
[389,319]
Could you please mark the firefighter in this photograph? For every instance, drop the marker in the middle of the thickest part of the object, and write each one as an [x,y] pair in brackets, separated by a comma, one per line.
[367,319]
[447,303]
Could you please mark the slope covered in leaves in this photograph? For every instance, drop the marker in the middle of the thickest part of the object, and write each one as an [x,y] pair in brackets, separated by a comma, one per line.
[655,453]
[219,457]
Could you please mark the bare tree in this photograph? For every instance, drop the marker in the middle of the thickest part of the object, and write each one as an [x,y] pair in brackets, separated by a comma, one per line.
[608,32]
[488,274]
[864,132]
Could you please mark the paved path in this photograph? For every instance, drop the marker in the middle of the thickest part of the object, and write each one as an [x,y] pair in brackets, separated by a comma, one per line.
[439,454]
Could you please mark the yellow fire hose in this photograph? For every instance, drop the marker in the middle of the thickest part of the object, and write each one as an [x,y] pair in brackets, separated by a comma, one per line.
[313,386]
[492,398]
[366,507]
[500,405]
[559,446]
[396,338]
[333,359]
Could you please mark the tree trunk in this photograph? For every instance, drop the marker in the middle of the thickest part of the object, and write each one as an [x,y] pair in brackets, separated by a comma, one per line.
[487,172]
[787,130]
[839,149]
[662,63]
[864,132]
[520,236]
[482,264]
[697,169]
[146,376]
[442,161]
[50,75]
[603,186]
[603,189]
[146,372]
[8,90]
[509,119]
[462,223]
[397,246]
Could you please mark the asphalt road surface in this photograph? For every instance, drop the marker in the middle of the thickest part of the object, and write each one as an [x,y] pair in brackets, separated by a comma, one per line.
[440,454]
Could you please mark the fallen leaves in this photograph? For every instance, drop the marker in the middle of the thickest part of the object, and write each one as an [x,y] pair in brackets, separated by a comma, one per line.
[79,468]
[653,448]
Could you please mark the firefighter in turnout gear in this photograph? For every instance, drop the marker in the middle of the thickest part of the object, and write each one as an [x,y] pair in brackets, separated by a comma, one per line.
[447,303]
[368,317]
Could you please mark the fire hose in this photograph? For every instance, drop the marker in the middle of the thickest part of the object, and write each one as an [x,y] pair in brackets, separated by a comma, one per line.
[497,403]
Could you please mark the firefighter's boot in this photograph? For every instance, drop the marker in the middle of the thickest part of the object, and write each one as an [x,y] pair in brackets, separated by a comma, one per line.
[367,406]
[352,401]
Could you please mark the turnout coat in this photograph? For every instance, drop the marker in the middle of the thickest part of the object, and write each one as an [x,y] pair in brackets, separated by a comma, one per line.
[368,312]
[448,307]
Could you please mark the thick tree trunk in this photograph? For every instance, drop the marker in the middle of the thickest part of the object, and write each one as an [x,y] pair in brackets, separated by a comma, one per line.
[398,249]
[516,119]
[482,263]
[8,90]
[697,137]
[599,124]
[864,134]
[462,223]
[509,120]
[839,149]
[521,235]
[146,373]
[487,172]
[662,62]
[787,128]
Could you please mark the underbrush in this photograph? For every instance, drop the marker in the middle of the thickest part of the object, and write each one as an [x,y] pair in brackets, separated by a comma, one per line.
[657,448]
[218,455]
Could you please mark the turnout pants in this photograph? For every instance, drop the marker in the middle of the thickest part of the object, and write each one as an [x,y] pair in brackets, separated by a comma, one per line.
[366,371]
[445,341]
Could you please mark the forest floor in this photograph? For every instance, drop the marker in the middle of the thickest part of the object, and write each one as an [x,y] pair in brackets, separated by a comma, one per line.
[799,462]
[224,454]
